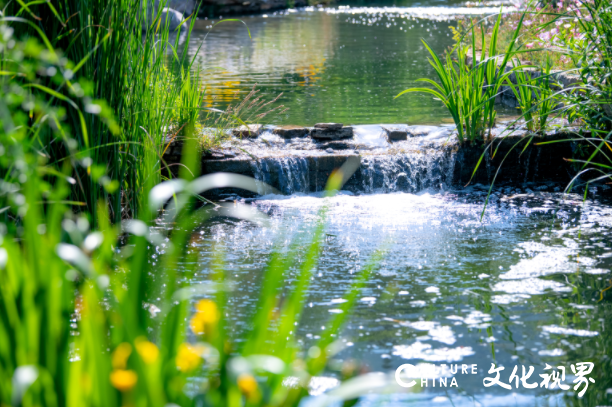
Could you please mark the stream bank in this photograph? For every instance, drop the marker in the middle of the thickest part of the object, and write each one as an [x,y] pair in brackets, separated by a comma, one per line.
[393,158]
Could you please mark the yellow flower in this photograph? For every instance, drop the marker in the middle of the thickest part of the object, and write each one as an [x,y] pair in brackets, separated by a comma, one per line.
[123,380]
[247,385]
[209,310]
[206,315]
[188,357]
[147,350]
[121,354]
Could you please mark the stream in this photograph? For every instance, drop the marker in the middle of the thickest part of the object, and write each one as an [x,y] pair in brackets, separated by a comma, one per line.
[520,285]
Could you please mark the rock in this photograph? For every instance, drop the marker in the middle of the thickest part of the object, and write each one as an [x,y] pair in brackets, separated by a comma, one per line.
[171,15]
[291,131]
[329,151]
[417,131]
[395,133]
[331,134]
[329,126]
[185,7]
[338,145]
[251,130]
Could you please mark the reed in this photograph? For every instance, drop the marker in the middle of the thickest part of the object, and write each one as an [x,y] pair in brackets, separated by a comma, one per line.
[535,95]
[143,77]
[468,90]
[590,104]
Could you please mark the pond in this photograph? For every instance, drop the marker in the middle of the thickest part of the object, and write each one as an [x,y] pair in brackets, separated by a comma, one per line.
[520,287]
[341,64]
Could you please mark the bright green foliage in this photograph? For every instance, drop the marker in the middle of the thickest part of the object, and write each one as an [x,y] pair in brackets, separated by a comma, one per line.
[535,95]
[143,76]
[76,325]
[468,89]
[591,103]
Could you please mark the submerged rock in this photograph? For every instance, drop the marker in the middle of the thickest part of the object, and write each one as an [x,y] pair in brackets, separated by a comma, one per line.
[329,126]
[395,134]
[291,131]
[251,130]
[333,133]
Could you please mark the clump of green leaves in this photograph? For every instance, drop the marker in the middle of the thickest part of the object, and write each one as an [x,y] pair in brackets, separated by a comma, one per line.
[468,89]
[535,95]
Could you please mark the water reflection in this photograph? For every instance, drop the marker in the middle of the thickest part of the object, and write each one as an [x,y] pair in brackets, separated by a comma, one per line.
[521,287]
[338,64]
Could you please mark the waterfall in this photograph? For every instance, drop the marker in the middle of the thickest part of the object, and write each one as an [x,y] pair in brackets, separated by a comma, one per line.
[288,174]
[407,172]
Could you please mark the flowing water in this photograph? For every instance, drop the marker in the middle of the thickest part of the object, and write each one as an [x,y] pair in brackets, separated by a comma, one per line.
[338,64]
[524,285]
[520,287]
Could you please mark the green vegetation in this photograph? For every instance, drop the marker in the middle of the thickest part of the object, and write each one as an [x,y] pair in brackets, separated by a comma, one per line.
[80,150]
[535,96]
[469,90]
[580,34]
[142,79]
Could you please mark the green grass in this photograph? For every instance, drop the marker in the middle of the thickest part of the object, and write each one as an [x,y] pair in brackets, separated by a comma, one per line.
[468,90]
[535,96]
[143,79]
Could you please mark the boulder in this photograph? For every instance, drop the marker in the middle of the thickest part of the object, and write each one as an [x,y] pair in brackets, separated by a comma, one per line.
[172,15]
[395,133]
[291,131]
[328,126]
[331,134]
[250,130]
[185,7]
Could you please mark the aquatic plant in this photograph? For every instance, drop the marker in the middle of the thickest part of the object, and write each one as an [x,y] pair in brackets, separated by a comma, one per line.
[468,89]
[535,95]
[590,104]
[143,77]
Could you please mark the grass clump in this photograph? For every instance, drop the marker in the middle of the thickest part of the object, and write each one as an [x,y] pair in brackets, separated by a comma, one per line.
[142,77]
[468,90]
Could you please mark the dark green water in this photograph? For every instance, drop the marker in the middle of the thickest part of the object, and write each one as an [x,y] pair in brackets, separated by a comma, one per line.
[340,65]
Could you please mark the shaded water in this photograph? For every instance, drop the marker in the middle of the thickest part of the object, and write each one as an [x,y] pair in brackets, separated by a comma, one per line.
[332,64]
[521,287]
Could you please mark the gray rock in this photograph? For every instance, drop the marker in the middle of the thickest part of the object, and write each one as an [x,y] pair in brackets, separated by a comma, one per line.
[338,145]
[329,126]
[251,130]
[169,16]
[395,134]
[185,7]
[331,134]
[291,131]
[418,131]
[329,151]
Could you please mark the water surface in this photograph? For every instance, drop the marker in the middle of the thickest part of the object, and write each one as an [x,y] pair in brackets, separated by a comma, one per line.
[522,286]
[341,64]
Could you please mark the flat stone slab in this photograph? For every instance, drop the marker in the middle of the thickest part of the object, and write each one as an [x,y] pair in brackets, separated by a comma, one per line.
[329,126]
[332,134]
[251,130]
[419,131]
[291,131]
[395,133]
